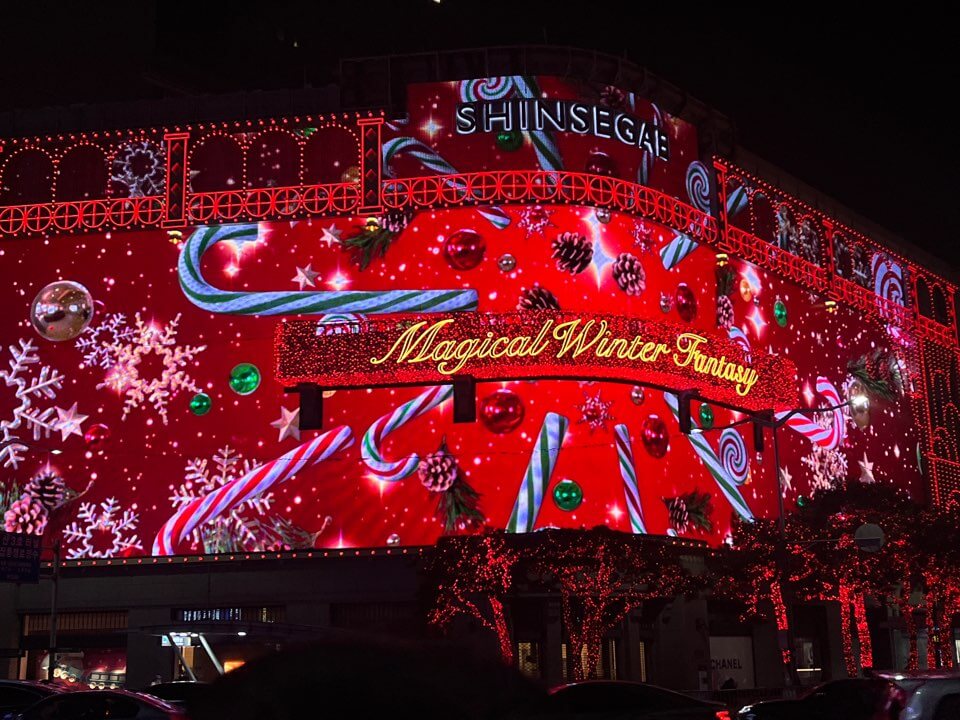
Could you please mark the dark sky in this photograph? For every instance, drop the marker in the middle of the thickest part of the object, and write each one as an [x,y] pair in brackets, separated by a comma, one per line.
[857,108]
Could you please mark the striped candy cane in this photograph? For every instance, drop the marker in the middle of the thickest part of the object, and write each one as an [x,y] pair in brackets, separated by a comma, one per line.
[422,153]
[701,447]
[371,447]
[828,438]
[206,296]
[431,159]
[676,250]
[248,486]
[495,215]
[548,154]
[737,200]
[628,471]
[537,476]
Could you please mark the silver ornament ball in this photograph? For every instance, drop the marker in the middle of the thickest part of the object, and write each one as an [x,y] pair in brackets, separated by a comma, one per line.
[61,311]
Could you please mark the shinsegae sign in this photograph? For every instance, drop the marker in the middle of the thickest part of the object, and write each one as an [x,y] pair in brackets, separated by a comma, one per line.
[431,349]
[543,115]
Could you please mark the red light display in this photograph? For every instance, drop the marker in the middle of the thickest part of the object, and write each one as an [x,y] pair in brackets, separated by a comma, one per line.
[558,225]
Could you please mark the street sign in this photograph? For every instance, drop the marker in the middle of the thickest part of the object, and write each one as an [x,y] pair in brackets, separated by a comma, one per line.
[19,557]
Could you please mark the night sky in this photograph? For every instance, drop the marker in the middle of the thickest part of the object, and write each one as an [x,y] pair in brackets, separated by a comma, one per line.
[858,109]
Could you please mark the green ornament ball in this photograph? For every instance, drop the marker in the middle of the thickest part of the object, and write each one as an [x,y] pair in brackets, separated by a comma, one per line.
[200,404]
[706,416]
[567,495]
[244,378]
[780,313]
[509,140]
[802,501]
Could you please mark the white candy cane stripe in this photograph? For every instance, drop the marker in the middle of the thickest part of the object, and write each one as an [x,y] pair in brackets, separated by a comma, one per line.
[497,217]
[371,446]
[491,88]
[676,250]
[698,185]
[733,455]
[628,471]
[741,339]
[713,464]
[828,438]
[537,476]
[248,486]
[207,297]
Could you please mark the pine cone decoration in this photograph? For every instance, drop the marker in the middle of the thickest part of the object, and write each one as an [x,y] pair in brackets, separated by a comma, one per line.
[572,252]
[612,97]
[724,312]
[396,221]
[438,471]
[47,487]
[27,515]
[679,515]
[538,298]
[629,274]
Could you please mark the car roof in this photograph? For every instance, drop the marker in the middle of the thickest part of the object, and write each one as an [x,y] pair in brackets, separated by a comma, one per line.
[139,697]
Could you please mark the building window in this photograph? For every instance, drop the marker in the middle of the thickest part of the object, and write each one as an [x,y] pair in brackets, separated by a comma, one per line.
[643,661]
[606,666]
[528,659]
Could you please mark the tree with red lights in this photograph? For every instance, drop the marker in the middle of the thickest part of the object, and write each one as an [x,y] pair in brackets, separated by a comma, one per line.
[602,575]
[473,575]
[935,565]
[756,570]
[831,566]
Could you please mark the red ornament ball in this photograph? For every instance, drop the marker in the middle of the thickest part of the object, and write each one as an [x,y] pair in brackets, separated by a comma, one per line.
[686,302]
[501,412]
[654,436]
[96,435]
[599,163]
[464,249]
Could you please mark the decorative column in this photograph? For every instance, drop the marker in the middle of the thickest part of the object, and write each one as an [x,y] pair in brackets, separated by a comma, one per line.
[371,170]
[175,205]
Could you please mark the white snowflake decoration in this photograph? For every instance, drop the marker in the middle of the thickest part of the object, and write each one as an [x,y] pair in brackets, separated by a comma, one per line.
[125,378]
[95,523]
[828,468]
[139,166]
[244,528]
[29,389]
[98,343]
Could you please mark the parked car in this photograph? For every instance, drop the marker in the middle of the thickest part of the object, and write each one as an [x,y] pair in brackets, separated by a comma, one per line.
[920,696]
[182,693]
[17,695]
[102,705]
[627,700]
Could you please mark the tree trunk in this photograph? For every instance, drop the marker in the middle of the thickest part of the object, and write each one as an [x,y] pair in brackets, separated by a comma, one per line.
[863,631]
[503,631]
